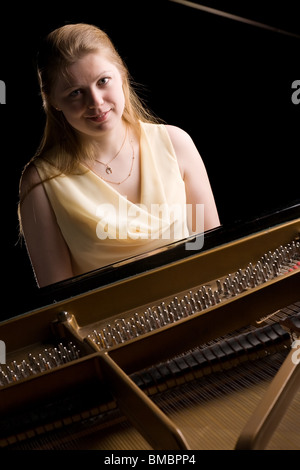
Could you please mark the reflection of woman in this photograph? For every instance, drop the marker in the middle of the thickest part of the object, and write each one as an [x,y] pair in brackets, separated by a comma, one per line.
[115,182]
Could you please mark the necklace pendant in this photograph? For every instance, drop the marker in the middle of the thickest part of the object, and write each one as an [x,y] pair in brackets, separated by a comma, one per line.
[108,170]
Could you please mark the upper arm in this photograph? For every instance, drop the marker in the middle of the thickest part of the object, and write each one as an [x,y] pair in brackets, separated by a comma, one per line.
[194,174]
[47,249]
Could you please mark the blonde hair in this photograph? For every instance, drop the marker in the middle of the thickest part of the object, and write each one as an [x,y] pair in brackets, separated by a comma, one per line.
[61,48]
[61,146]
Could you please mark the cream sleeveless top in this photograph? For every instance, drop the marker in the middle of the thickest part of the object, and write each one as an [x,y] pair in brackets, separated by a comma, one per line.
[102,227]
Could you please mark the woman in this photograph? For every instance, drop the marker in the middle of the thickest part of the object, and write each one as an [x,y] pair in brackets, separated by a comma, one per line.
[108,181]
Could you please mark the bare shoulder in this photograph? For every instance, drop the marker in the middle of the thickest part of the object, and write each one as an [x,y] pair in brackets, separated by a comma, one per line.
[185,149]
[182,142]
[178,136]
[32,191]
[29,178]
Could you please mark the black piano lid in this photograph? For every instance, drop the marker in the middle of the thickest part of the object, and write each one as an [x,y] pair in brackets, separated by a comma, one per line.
[163,256]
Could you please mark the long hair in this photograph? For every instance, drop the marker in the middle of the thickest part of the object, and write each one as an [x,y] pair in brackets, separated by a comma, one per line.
[61,48]
[60,145]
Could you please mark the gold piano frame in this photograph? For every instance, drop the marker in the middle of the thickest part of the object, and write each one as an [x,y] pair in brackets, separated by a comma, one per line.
[75,317]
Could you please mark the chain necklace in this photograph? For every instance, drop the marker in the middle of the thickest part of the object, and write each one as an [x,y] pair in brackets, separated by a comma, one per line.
[108,168]
[131,167]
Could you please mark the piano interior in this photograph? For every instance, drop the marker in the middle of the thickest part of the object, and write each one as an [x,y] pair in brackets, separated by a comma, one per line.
[196,353]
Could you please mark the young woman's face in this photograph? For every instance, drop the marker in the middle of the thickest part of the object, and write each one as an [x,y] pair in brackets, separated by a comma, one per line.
[93,100]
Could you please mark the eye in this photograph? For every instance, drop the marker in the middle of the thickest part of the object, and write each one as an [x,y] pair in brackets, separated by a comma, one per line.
[103,81]
[75,93]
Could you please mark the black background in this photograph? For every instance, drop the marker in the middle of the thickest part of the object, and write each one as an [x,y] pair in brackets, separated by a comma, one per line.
[228,84]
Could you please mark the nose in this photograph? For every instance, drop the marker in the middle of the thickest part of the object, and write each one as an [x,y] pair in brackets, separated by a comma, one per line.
[95,99]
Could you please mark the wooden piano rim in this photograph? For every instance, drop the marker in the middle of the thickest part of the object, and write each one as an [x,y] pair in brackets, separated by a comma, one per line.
[112,368]
[270,296]
[197,269]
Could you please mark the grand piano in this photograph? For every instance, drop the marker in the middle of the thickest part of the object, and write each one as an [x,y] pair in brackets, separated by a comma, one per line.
[177,349]
[193,353]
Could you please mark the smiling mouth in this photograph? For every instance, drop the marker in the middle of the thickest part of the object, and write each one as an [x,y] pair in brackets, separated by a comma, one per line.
[98,117]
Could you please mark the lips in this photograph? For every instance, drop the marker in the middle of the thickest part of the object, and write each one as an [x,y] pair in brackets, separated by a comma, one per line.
[98,117]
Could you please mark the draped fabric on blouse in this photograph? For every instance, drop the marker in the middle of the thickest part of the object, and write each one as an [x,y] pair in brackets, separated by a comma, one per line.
[100,226]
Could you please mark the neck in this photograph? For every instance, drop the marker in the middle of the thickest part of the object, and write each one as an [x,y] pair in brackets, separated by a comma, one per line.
[110,143]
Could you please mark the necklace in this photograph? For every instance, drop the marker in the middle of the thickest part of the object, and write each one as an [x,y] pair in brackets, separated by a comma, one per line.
[130,171]
[108,168]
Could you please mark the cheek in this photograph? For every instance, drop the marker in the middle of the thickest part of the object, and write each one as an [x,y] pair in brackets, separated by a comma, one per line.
[121,98]
[72,111]
[74,107]
[117,93]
